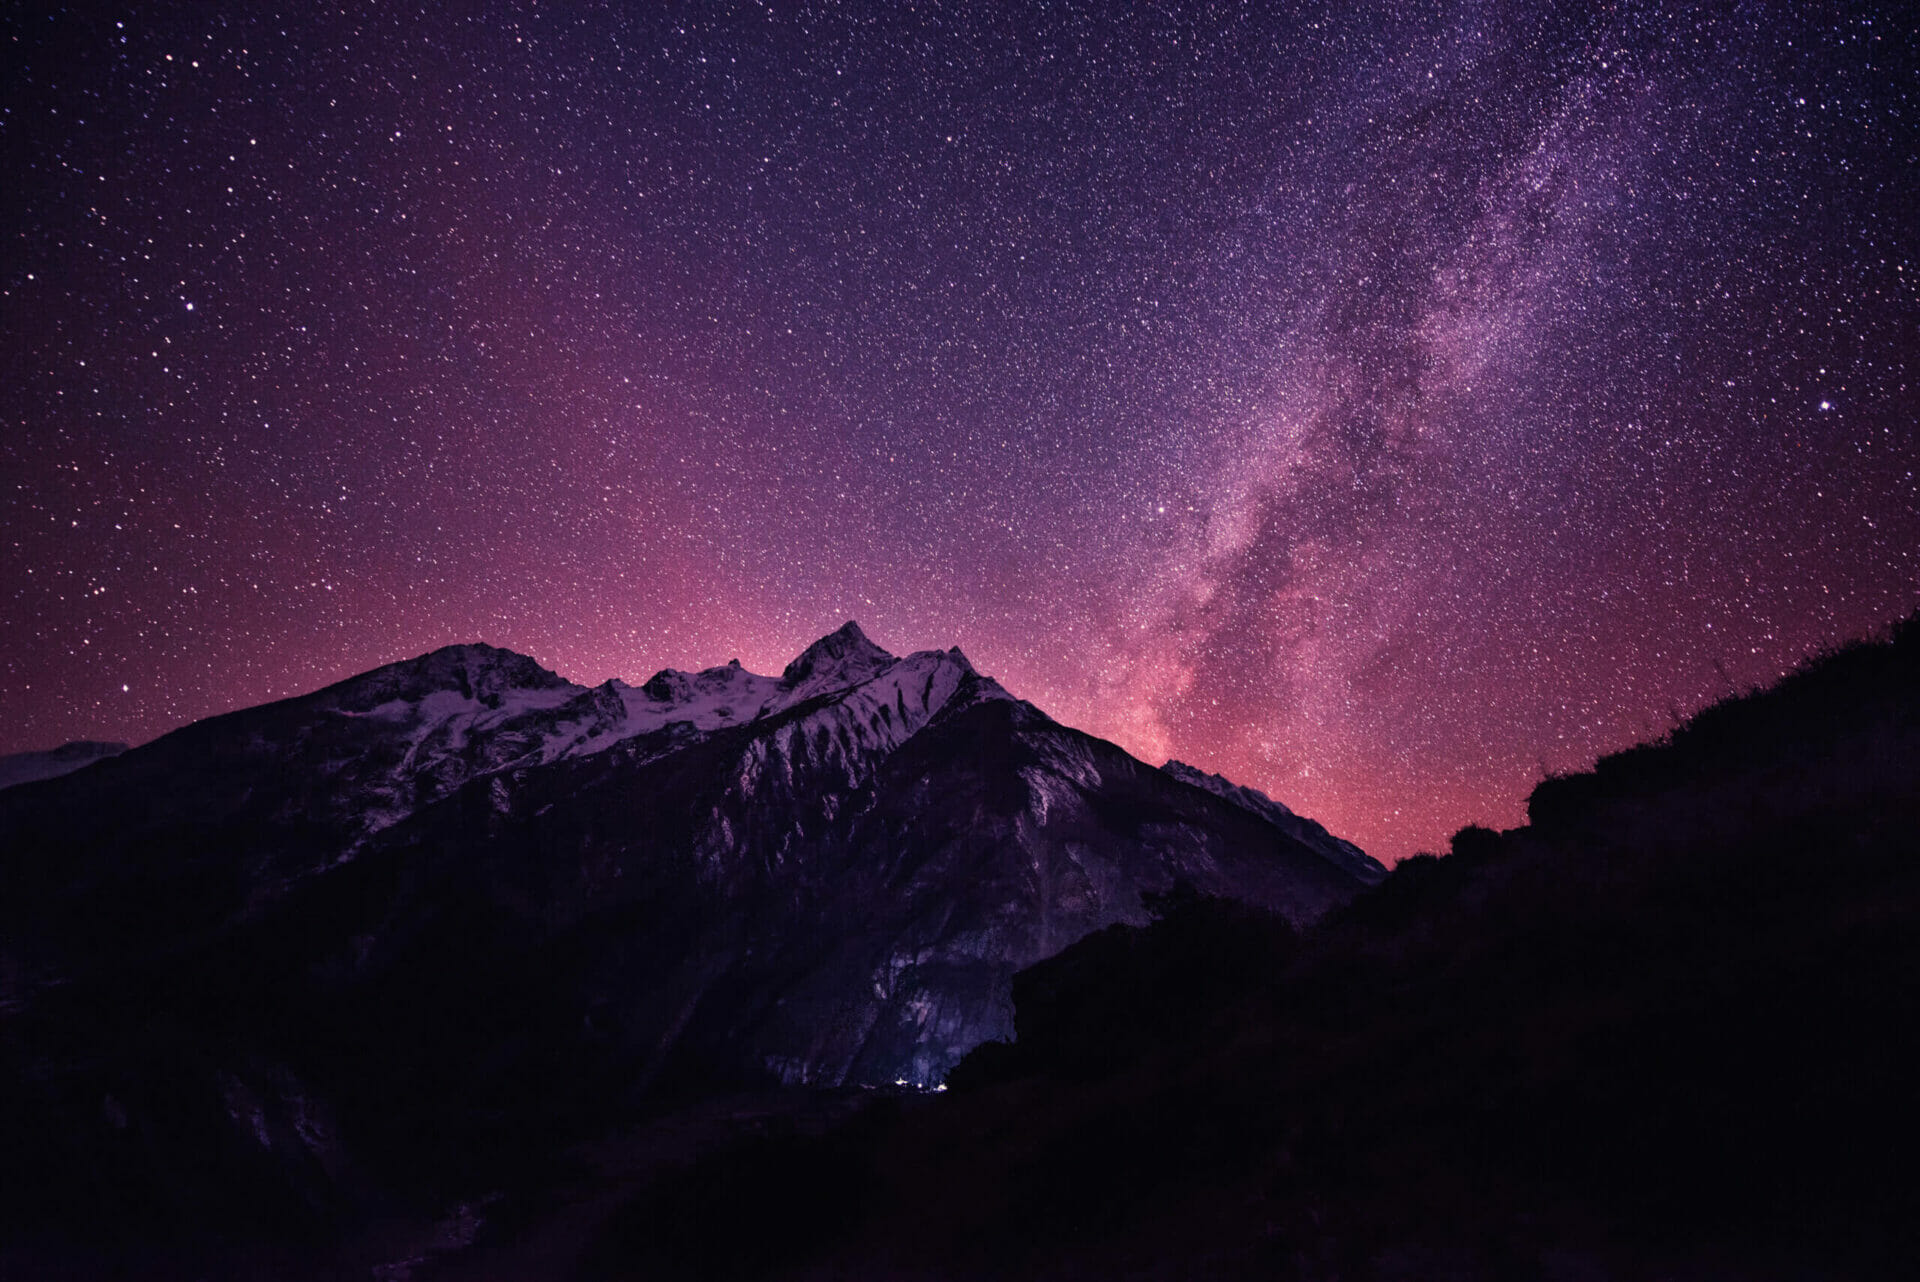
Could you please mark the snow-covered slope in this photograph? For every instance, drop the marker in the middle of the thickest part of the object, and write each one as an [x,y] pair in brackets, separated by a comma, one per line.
[718,698]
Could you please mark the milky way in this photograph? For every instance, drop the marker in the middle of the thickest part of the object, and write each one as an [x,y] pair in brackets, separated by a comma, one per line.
[1379,405]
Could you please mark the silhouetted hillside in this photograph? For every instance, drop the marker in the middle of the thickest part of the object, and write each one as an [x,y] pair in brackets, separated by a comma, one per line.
[1667,1030]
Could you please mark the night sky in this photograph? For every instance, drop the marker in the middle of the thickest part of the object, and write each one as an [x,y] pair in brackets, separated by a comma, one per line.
[1378,404]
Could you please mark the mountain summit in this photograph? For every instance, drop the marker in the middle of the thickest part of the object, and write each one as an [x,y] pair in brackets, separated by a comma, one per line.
[841,657]
[466,906]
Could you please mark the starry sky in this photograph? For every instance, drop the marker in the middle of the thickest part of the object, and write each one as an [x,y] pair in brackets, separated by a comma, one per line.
[1381,404]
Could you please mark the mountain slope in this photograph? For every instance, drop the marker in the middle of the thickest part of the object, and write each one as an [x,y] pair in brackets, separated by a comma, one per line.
[1305,831]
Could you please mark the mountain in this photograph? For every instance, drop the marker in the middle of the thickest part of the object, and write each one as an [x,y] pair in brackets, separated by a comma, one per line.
[445,915]
[27,767]
[1668,1029]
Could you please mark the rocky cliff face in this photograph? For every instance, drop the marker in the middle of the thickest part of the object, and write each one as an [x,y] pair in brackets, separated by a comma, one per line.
[459,902]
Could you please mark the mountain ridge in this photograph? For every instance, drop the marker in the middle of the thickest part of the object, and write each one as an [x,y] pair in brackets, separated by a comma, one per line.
[50,763]
[469,909]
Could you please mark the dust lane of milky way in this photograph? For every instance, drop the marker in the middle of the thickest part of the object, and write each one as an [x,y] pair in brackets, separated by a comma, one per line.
[1377,404]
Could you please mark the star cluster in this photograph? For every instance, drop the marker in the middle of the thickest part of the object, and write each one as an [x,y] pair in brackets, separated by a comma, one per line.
[1379,404]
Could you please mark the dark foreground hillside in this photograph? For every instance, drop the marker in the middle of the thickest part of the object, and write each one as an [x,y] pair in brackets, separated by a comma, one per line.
[1665,1031]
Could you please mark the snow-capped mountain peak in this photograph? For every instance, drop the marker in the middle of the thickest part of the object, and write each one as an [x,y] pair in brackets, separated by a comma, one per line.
[842,658]
[473,685]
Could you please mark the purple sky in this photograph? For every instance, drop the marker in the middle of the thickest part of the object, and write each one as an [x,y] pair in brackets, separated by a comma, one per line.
[1378,404]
